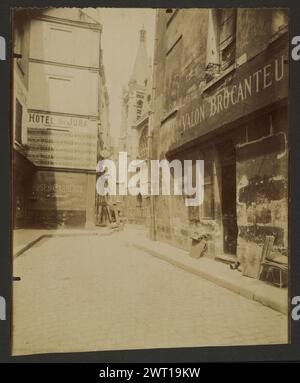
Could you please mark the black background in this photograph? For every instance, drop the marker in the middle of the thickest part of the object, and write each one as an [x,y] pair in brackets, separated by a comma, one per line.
[290,352]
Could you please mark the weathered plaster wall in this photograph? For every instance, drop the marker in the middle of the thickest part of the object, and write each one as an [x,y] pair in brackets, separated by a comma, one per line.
[261,148]
[256,27]
[59,198]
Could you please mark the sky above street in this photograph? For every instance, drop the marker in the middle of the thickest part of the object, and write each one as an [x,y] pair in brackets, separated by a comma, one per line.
[120,40]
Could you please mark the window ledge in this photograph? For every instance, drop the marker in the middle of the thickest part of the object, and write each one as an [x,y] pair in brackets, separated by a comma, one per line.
[220,76]
[169,115]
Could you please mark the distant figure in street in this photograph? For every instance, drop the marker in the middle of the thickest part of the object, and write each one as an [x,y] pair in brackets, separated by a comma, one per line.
[105,216]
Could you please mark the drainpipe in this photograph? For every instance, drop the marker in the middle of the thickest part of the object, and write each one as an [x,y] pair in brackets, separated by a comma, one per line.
[152,230]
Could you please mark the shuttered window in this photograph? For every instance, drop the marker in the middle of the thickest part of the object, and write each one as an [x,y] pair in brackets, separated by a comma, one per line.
[227,34]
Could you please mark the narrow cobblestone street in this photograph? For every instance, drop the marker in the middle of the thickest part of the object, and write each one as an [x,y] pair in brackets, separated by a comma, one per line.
[96,293]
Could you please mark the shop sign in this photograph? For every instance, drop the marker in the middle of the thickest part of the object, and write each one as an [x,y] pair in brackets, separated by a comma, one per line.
[256,84]
[59,191]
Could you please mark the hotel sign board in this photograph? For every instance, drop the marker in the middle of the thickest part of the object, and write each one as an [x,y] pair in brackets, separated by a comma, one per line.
[61,141]
[256,84]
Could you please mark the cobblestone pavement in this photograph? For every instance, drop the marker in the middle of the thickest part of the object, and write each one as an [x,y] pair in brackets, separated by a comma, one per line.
[97,293]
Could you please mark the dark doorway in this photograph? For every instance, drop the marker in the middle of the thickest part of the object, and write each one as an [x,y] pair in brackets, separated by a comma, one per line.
[228,196]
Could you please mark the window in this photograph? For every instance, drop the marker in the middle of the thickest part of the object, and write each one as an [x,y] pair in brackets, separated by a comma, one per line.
[19,118]
[279,20]
[172,75]
[61,44]
[19,47]
[59,88]
[139,107]
[221,41]
[143,144]
[227,32]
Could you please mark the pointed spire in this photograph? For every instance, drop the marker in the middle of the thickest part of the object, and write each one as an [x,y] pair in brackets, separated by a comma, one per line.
[140,69]
[142,34]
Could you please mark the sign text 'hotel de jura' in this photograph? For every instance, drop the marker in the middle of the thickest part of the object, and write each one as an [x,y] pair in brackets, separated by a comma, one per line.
[254,85]
[62,141]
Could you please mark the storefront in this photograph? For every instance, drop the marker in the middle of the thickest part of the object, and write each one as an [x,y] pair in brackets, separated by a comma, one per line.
[23,173]
[239,126]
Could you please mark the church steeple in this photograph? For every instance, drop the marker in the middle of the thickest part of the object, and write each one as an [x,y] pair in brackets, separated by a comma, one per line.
[142,35]
[140,69]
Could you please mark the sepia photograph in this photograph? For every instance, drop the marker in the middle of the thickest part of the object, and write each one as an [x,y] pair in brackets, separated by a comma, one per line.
[150,178]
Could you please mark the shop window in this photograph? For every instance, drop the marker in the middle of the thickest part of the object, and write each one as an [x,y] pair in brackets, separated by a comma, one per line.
[279,120]
[259,128]
[19,118]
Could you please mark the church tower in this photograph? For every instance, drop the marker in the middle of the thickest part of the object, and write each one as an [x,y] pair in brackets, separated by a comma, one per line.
[133,99]
[136,100]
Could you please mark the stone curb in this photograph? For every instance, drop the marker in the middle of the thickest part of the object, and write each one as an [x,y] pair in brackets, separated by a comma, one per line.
[246,292]
[23,248]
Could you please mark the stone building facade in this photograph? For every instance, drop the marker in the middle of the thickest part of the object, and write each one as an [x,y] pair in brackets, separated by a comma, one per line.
[64,121]
[221,95]
[23,169]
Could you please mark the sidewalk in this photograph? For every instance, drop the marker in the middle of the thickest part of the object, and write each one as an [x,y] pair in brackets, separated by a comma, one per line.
[23,239]
[214,271]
